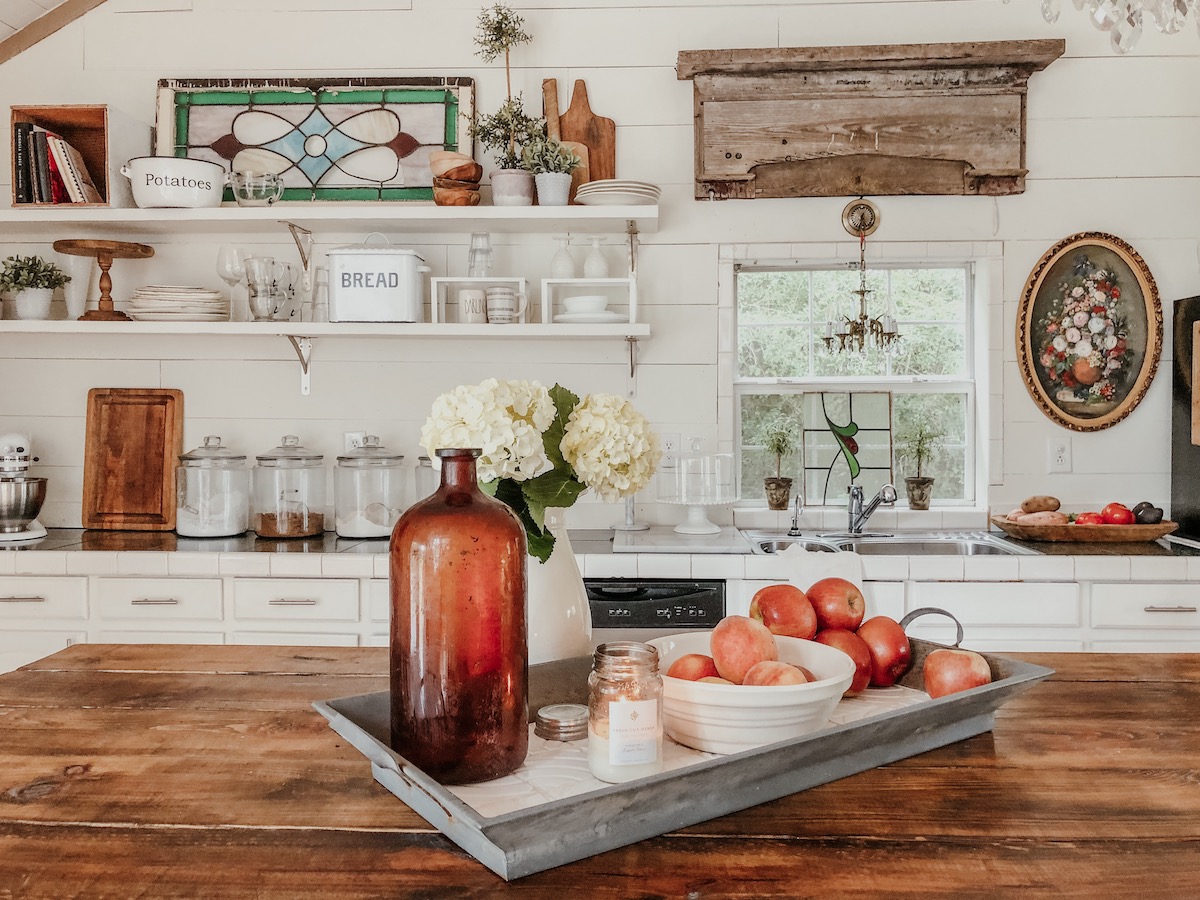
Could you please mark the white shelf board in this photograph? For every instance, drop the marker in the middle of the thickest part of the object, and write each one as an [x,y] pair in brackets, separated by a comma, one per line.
[332,216]
[328,329]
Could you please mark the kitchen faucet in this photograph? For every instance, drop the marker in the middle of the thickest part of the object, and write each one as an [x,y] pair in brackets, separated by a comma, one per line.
[798,508]
[859,513]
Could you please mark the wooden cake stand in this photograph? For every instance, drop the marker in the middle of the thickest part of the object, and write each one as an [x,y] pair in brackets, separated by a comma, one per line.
[105,252]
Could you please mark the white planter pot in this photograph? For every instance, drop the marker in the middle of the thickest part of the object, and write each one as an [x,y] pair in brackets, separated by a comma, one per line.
[33,303]
[553,188]
[512,187]
[558,616]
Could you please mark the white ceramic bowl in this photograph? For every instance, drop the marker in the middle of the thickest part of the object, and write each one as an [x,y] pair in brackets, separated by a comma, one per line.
[590,303]
[727,718]
[174,182]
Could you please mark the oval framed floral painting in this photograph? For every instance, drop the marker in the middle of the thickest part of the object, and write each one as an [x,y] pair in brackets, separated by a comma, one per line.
[1089,331]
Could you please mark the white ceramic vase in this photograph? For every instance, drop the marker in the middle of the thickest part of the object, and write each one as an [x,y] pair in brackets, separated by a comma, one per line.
[512,187]
[553,188]
[559,619]
[79,288]
[33,303]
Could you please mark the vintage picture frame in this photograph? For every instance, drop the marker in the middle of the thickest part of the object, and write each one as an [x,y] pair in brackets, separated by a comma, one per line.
[1089,331]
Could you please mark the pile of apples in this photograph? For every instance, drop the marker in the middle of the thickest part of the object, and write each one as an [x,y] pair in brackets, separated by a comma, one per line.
[830,612]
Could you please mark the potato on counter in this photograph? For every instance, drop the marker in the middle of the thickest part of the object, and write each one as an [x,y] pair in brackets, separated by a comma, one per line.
[1040,503]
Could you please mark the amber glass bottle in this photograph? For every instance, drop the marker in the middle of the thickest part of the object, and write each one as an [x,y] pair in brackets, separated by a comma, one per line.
[459,665]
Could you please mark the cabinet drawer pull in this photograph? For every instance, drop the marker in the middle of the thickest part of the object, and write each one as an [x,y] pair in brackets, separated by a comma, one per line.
[22,599]
[1169,609]
[155,601]
[292,601]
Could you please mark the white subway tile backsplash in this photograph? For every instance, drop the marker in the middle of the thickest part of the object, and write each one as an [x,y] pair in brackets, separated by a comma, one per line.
[193,564]
[664,565]
[1158,568]
[718,565]
[991,568]
[254,564]
[142,563]
[1046,568]
[935,568]
[1102,568]
[94,562]
[45,562]
[304,565]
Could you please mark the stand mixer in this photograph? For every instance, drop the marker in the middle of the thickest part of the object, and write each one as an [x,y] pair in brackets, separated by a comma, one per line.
[21,495]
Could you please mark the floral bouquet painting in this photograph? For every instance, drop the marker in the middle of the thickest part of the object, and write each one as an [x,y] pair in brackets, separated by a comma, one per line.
[542,447]
[1084,345]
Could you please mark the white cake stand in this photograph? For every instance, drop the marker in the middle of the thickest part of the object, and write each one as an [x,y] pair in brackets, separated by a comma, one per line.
[698,482]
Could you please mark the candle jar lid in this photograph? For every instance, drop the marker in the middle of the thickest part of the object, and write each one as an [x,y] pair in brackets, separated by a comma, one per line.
[562,722]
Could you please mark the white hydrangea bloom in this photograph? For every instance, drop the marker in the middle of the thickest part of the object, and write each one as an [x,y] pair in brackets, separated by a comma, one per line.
[611,446]
[506,419]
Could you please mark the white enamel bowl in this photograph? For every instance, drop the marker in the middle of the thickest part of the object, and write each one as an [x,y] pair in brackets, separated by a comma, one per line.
[590,303]
[175,182]
[727,718]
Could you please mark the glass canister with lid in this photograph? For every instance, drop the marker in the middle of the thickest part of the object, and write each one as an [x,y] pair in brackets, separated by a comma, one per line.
[368,490]
[212,491]
[289,491]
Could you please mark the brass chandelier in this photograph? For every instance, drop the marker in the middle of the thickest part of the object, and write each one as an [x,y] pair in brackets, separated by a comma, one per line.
[860,218]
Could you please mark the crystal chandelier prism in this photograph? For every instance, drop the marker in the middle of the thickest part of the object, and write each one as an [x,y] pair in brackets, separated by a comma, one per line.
[1122,19]
[852,334]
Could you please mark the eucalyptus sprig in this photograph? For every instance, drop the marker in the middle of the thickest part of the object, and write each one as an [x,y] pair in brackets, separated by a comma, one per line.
[543,155]
[20,273]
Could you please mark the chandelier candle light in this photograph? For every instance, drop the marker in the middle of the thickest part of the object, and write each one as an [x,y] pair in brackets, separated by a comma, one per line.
[1122,19]
[860,218]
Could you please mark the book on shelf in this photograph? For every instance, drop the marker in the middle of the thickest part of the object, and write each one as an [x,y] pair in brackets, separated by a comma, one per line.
[58,185]
[22,174]
[74,171]
[40,167]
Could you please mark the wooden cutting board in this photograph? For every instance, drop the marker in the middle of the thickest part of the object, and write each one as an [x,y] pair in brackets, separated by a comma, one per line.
[581,174]
[132,446]
[599,134]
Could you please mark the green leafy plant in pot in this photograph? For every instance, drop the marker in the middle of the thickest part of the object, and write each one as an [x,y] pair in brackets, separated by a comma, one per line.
[779,437]
[31,280]
[916,442]
[551,163]
[510,128]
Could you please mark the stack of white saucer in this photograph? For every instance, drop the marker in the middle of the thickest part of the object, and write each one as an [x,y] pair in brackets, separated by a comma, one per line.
[177,303]
[615,192]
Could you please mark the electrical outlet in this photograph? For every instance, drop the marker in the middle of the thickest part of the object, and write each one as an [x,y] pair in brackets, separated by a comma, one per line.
[1058,454]
[670,448]
[354,439]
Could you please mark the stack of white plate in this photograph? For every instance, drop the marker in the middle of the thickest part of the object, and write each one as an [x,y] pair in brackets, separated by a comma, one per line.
[615,192]
[177,303]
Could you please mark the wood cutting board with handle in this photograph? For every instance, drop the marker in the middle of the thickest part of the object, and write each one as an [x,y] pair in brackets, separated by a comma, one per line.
[581,174]
[599,134]
[133,441]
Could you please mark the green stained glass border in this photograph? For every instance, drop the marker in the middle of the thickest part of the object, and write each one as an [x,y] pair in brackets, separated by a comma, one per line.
[847,434]
[176,97]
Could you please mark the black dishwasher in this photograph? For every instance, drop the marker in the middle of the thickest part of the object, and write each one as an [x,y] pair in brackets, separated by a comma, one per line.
[638,609]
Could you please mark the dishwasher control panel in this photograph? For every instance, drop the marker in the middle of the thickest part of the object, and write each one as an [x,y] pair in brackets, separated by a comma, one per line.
[655,602]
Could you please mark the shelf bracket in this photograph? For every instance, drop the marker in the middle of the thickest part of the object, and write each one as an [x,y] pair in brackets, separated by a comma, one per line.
[631,233]
[631,389]
[303,348]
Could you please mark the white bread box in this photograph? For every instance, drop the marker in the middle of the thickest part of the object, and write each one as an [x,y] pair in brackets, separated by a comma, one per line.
[376,284]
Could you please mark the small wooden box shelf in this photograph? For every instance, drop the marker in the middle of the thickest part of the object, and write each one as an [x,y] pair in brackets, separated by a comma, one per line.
[105,139]
[621,294]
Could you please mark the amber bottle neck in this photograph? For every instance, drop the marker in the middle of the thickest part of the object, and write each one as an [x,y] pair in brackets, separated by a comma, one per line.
[458,471]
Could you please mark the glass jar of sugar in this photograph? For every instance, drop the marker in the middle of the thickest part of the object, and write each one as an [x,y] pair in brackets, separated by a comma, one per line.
[368,490]
[212,489]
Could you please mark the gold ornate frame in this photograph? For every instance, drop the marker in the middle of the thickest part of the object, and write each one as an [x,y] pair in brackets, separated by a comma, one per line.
[1133,309]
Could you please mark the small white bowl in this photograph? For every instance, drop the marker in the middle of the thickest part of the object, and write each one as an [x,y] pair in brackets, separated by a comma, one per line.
[728,718]
[590,303]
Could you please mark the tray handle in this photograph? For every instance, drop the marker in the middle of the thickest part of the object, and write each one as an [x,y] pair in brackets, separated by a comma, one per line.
[926,610]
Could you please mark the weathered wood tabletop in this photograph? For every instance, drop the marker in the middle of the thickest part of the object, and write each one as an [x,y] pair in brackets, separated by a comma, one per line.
[184,771]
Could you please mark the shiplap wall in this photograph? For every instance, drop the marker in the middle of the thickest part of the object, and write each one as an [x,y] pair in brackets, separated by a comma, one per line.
[1111,147]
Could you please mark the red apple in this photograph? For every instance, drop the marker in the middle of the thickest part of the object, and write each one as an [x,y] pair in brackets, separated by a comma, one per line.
[693,667]
[773,672]
[1117,514]
[854,647]
[891,654]
[949,671]
[784,609]
[838,603]
[737,643]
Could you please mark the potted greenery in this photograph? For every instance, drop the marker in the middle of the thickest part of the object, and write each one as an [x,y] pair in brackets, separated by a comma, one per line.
[778,436]
[510,128]
[916,443]
[31,280]
[551,164]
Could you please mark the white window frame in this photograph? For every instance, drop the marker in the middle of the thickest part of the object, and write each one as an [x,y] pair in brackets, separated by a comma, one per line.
[984,350]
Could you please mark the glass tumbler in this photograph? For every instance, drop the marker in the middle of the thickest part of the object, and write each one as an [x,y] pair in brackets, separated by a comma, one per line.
[289,491]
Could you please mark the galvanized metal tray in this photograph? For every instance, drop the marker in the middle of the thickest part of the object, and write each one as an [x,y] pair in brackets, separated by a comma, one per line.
[559,831]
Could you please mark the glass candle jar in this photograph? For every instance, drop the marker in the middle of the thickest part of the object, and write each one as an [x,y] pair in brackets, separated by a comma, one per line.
[425,480]
[289,491]
[625,730]
[368,490]
[212,489]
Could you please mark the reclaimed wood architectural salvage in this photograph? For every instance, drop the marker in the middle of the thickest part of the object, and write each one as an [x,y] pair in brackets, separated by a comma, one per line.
[849,121]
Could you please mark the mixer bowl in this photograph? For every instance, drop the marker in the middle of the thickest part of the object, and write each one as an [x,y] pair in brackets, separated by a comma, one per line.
[21,499]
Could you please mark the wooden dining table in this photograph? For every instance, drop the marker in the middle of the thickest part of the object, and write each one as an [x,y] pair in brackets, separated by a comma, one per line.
[157,771]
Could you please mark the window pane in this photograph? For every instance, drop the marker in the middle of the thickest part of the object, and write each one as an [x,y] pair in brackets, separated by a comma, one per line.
[945,414]
[930,294]
[931,350]
[772,297]
[773,351]
[757,464]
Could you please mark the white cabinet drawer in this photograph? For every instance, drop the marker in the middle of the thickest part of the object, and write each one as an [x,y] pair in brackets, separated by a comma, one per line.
[296,599]
[379,600]
[1145,605]
[42,598]
[884,598]
[159,599]
[295,639]
[999,603]
[19,648]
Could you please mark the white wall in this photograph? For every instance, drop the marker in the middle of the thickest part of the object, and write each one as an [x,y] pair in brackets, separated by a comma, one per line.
[1111,147]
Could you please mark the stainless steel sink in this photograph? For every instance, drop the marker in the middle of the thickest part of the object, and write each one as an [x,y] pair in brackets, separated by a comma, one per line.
[925,543]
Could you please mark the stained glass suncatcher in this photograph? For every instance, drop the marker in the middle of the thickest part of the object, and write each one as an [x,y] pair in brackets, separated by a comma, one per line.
[330,139]
[847,439]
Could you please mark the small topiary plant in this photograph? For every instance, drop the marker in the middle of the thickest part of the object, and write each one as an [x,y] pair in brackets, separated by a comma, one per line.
[21,273]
